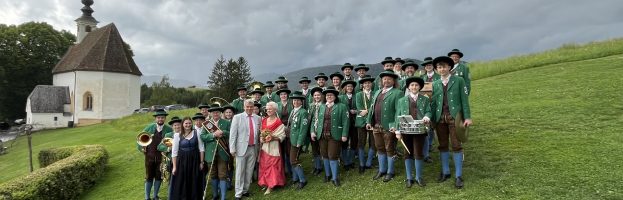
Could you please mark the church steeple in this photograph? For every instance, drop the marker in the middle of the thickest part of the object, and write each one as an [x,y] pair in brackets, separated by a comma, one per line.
[86,23]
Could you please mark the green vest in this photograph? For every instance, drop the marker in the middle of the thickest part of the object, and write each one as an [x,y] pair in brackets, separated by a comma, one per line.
[436,76]
[280,107]
[389,107]
[299,127]
[339,121]
[210,142]
[457,96]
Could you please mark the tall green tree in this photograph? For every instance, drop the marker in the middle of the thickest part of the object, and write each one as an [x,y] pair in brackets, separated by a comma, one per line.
[227,75]
[162,93]
[28,52]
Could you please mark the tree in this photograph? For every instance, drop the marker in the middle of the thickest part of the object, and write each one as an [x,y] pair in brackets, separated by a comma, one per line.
[162,93]
[28,53]
[227,75]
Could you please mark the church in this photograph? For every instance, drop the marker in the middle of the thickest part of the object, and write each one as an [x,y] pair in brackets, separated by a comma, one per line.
[96,80]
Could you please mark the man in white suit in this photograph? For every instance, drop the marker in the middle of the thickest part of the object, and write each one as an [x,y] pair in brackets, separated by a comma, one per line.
[244,145]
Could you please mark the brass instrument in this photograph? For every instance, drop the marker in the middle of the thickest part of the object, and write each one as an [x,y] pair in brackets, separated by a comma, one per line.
[164,166]
[168,141]
[256,85]
[143,139]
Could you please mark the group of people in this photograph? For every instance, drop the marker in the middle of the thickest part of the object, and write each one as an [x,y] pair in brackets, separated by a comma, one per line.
[264,135]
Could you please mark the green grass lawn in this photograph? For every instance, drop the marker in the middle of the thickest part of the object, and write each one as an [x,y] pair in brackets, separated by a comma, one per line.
[550,132]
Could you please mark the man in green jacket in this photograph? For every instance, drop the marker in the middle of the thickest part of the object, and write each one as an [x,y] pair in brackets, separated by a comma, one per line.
[238,103]
[282,83]
[460,69]
[216,152]
[380,119]
[153,158]
[298,126]
[363,102]
[388,64]
[409,71]
[449,103]
[268,97]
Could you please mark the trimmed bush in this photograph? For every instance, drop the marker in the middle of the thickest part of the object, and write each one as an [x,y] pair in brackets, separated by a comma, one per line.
[76,169]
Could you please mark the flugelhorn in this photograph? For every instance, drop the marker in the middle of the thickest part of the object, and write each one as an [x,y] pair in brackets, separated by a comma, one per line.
[168,141]
[143,139]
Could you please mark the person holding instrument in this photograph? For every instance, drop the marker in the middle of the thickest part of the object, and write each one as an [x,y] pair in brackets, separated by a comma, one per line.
[215,135]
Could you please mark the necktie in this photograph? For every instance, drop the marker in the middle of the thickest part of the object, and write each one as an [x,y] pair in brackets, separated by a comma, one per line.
[251,134]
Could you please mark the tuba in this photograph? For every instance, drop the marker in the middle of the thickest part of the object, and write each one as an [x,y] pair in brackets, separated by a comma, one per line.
[219,101]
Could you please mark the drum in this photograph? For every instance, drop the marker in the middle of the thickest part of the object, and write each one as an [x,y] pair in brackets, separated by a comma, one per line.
[410,126]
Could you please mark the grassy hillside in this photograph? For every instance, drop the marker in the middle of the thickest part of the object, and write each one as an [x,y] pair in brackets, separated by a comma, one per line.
[551,132]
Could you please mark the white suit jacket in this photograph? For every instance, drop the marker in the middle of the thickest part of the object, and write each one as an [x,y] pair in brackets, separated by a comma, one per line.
[239,133]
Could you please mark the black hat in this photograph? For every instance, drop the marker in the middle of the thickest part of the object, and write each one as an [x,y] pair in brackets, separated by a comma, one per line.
[215,107]
[268,84]
[203,106]
[412,79]
[321,75]
[333,91]
[281,79]
[297,95]
[455,51]
[286,90]
[174,120]
[409,63]
[366,78]
[388,73]
[233,109]
[304,79]
[398,60]
[347,65]
[336,74]
[348,82]
[427,60]
[257,104]
[362,66]
[443,59]
[160,112]
[388,60]
[242,87]
[257,90]
[199,116]
[314,90]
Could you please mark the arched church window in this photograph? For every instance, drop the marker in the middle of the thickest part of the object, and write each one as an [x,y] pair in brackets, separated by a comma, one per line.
[87,29]
[88,101]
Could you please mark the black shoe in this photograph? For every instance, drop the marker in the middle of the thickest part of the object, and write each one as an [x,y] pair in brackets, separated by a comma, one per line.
[336,182]
[443,177]
[156,198]
[420,182]
[238,198]
[362,170]
[428,159]
[430,148]
[388,177]
[214,198]
[378,175]
[327,178]
[301,185]
[459,183]
[247,194]
[409,183]
[346,167]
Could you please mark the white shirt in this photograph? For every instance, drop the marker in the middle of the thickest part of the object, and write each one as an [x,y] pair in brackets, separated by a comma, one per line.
[329,105]
[386,89]
[430,74]
[176,142]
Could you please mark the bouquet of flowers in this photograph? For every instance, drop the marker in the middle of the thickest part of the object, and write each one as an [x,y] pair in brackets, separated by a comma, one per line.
[266,135]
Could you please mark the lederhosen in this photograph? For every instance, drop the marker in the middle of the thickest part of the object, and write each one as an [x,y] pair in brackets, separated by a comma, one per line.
[329,148]
[294,151]
[220,168]
[445,128]
[352,142]
[383,139]
[153,158]
[414,142]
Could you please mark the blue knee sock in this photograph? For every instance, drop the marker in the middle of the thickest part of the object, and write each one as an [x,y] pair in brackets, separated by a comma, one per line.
[445,162]
[300,174]
[390,165]
[223,188]
[215,187]
[317,162]
[458,163]
[157,188]
[370,157]
[148,185]
[409,168]
[382,163]
[333,164]
[327,168]
[419,168]
[426,147]
[362,157]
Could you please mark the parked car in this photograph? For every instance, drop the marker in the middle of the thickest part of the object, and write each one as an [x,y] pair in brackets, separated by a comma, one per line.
[156,107]
[142,110]
[175,107]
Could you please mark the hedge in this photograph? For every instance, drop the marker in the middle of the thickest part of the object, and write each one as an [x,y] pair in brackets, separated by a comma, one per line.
[68,173]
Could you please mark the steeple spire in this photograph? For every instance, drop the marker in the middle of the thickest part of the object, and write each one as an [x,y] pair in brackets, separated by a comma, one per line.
[86,23]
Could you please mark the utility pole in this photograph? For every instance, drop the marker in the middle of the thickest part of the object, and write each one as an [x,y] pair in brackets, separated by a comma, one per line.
[28,129]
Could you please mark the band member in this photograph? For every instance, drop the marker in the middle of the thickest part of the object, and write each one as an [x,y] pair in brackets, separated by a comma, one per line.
[156,130]
[347,70]
[243,138]
[188,154]
[388,64]
[257,108]
[418,106]
[321,80]
[198,119]
[429,76]
[409,71]
[348,148]
[361,70]
[203,109]
[228,112]
[217,154]
[304,83]
[298,126]
[256,95]
[398,67]
[176,124]
[238,103]
[282,83]
[450,103]
[381,116]
[284,108]
[314,107]
[268,87]
[336,80]
[271,172]
[364,100]
[460,69]
[331,129]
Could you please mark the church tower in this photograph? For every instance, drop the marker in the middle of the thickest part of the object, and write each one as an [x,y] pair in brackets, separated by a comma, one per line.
[86,23]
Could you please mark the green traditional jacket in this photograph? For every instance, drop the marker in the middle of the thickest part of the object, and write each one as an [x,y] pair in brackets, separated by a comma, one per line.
[280,107]
[344,99]
[403,108]
[436,76]
[238,104]
[265,99]
[299,127]
[339,121]
[457,96]
[308,98]
[162,147]
[210,142]
[275,97]
[389,107]
[151,129]
[363,103]
[462,70]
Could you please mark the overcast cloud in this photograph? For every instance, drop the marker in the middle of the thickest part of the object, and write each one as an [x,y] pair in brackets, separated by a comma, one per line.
[183,38]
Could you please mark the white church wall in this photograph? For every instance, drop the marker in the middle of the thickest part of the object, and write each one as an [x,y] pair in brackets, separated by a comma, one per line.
[122,95]
[92,82]
[48,120]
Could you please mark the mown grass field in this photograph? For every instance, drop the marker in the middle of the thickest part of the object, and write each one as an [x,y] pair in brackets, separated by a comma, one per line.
[550,132]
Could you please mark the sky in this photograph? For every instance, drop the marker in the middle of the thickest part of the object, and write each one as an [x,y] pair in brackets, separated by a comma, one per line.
[183,38]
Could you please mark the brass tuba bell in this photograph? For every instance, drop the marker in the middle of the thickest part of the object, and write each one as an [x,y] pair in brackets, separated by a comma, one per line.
[143,139]
[168,141]
[218,101]
[256,85]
